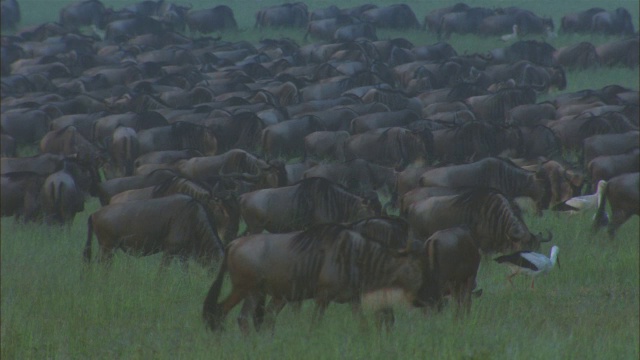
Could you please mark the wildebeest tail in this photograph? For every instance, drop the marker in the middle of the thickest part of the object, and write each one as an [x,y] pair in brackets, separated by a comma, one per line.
[211,311]
[601,218]
[87,246]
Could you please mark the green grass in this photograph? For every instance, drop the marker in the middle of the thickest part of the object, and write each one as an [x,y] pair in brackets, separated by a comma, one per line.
[54,307]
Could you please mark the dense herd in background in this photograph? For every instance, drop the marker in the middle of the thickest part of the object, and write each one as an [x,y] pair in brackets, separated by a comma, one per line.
[183,137]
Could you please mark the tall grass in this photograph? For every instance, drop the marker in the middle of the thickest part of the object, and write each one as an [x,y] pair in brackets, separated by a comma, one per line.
[55,307]
[52,306]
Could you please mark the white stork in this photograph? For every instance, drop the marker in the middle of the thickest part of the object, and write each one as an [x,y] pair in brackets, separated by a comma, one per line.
[512,36]
[585,202]
[530,263]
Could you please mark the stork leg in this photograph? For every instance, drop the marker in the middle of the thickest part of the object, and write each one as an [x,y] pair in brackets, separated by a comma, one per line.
[532,280]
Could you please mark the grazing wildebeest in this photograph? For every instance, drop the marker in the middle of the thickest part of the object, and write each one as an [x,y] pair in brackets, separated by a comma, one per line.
[310,201]
[205,21]
[222,204]
[21,195]
[287,15]
[543,186]
[177,225]
[623,194]
[608,166]
[453,262]
[327,263]
[83,13]
[496,224]
[395,147]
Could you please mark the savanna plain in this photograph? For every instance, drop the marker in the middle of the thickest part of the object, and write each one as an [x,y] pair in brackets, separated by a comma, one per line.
[589,308]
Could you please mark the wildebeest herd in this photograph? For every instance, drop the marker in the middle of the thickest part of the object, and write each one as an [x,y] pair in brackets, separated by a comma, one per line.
[184,138]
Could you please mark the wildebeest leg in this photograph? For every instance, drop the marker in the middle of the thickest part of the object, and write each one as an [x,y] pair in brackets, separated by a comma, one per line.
[318,313]
[273,309]
[618,217]
[249,307]
[385,317]
[296,306]
[258,315]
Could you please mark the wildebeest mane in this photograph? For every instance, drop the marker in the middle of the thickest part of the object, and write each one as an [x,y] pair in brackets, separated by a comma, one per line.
[320,193]
[388,231]
[181,185]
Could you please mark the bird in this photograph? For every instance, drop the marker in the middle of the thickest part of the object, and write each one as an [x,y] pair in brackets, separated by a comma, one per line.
[512,36]
[586,202]
[530,263]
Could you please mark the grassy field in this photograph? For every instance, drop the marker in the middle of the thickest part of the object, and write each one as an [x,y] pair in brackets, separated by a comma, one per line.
[54,307]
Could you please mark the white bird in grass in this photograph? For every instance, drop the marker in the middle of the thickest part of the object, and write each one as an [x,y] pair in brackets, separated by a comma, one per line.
[530,263]
[512,36]
[585,202]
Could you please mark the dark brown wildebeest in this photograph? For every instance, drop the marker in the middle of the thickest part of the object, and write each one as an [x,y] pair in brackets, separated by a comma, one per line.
[358,176]
[578,21]
[615,22]
[582,55]
[62,197]
[284,15]
[21,195]
[495,223]
[83,13]
[124,149]
[496,173]
[176,225]
[178,136]
[223,205]
[311,201]
[219,18]
[453,262]
[395,147]
[432,19]
[397,16]
[392,232]
[325,144]
[69,142]
[609,144]
[107,189]
[608,166]
[43,164]
[327,263]
[8,146]
[287,137]
[165,157]
[10,11]
[621,52]
[623,194]
[235,162]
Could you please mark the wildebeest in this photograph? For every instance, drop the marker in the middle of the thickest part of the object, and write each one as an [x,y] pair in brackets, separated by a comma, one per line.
[62,197]
[609,144]
[496,173]
[10,12]
[496,224]
[205,21]
[453,262]
[582,55]
[578,21]
[284,15]
[310,201]
[177,225]
[616,22]
[21,195]
[223,205]
[397,16]
[623,194]
[621,52]
[607,167]
[393,147]
[328,263]
[83,13]
[358,176]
